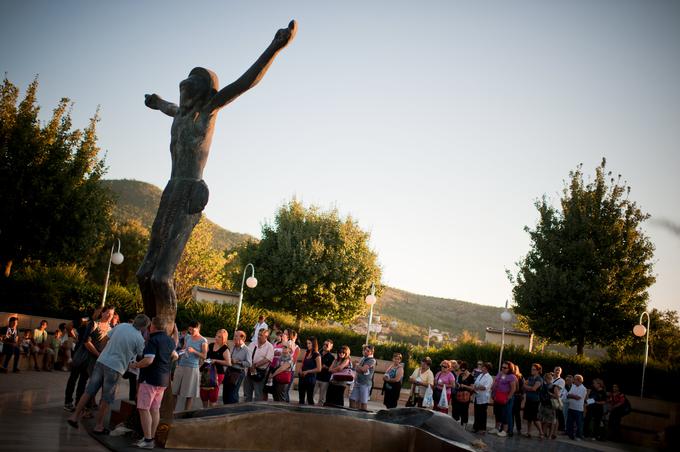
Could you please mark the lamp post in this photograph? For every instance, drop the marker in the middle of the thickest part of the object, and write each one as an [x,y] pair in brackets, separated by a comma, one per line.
[251,282]
[370,300]
[505,317]
[639,330]
[117,259]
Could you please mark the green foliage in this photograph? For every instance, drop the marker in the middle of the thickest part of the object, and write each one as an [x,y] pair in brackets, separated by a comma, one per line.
[585,278]
[52,208]
[62,292]
[134,240]
[309,263]
[664,339]
[201,264]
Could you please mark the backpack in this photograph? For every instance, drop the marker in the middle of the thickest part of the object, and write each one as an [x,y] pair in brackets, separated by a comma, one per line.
[626,408]
[544,393]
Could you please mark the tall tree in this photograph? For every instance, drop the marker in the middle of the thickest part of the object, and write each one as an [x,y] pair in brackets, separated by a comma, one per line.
[52,208]
[585,278]
[310,263]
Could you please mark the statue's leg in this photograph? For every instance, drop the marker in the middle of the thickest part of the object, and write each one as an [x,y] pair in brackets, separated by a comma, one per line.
[157,241]
[168,258]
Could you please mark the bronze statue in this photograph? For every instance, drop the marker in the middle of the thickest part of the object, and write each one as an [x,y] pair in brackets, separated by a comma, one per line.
[186,194]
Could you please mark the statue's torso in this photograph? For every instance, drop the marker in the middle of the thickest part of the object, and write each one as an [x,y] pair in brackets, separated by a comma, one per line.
[191,136]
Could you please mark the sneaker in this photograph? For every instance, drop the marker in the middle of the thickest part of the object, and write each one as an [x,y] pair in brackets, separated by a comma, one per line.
[493,431]
[69,407]
[144,444]
[502,434]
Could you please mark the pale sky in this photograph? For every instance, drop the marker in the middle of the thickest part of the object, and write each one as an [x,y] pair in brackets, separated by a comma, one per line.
[435,124]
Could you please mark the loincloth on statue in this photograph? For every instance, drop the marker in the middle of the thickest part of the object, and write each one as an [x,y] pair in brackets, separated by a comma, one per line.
[181,197]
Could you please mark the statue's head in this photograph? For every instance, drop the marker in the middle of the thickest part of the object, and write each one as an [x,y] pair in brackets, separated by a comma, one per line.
[200,85]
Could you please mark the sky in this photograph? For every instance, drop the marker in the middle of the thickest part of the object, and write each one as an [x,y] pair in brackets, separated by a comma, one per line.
[435,124]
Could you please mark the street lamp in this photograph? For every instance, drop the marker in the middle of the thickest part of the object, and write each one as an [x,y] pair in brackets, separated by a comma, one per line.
[505,317]
[639,330]
[251,282]
[370,300]
[117,259]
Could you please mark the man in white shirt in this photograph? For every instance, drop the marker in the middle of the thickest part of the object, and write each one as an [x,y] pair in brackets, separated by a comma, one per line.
[262,353]
[576,397]
[482,386]
[260,325]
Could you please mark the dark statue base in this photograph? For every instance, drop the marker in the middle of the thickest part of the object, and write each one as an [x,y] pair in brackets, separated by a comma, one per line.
[282,427]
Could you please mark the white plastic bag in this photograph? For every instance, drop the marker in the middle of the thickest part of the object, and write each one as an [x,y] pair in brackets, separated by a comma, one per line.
[427,398]
[443,401]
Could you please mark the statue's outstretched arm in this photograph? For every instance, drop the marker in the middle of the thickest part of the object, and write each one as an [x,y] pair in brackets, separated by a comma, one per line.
[154,102]
[255,73]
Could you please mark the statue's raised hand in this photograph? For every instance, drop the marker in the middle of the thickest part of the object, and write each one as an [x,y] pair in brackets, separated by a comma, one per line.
[152,101]
[285,35]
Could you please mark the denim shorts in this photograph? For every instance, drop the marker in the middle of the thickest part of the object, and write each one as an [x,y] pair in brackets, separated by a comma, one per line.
[105,378]
[360,393]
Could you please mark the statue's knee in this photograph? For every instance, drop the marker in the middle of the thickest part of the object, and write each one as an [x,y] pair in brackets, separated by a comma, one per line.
[162,282]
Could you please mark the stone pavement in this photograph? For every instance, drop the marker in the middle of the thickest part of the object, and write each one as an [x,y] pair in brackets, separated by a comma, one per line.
[32,418]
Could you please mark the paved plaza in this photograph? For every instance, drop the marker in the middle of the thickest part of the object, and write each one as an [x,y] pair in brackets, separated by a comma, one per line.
[32,419]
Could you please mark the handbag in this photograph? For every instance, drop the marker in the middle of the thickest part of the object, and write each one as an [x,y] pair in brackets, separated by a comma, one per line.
[232,375]
[462,396]
[500,398]
[258,375]
[208,375]
[411,397]
[345,375]
[283,377]
[443,400]
[428,401]
[557,404]
[80,356]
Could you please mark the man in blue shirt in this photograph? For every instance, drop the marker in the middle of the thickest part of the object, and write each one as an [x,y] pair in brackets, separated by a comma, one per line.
[125,342]
[154,377]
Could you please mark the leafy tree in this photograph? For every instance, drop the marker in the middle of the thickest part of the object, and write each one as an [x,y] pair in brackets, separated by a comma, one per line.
[585,278]
[201,263]
[310,263]
[52,207]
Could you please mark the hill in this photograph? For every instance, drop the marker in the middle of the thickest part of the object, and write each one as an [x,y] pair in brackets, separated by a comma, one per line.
[414,313]
[140,200]
[444,314]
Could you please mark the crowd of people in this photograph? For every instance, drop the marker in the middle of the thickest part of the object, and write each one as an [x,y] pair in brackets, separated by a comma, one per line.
[98,352]
[546,402]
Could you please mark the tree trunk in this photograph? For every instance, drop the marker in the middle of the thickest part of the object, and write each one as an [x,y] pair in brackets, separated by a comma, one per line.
[299,323]
[579,346]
